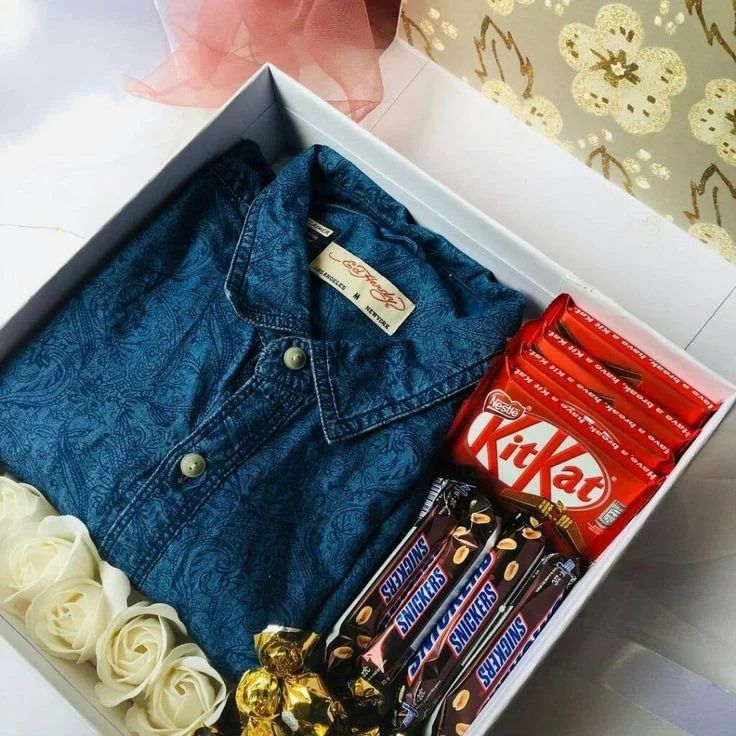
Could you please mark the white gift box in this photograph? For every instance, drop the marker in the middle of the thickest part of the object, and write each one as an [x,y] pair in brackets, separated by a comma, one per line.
[284,118]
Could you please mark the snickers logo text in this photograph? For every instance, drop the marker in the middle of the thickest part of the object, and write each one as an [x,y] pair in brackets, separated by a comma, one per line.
[430,643]
[501,657]
[404,569]
[420,601]
[473,619]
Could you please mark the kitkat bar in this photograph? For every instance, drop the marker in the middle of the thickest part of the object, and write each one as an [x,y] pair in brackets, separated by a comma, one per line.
[542,456]
[385,658]
[491,665]
[611,388]
[495,585]
[653,451]
[628,361]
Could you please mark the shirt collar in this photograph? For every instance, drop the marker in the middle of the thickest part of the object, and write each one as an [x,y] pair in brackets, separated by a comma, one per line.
[361,385]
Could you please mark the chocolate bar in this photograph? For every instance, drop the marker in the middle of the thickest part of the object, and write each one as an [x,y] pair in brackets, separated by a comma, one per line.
[542,456]
[494,586]
[447,508]
[496,658]
[652,451]
[433,590]
[629,362]
[612,388]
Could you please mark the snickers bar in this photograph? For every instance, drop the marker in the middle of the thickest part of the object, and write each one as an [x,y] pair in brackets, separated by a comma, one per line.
[496,658]
[447,508]
[384,659]
[493,587]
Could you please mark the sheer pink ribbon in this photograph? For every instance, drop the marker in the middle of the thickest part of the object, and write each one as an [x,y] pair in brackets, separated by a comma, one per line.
[327,45]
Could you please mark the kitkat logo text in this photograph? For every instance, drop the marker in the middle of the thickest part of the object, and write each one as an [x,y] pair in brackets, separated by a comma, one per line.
[532,455]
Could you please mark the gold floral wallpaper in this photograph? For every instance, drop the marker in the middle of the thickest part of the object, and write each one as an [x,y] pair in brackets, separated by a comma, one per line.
[643,92]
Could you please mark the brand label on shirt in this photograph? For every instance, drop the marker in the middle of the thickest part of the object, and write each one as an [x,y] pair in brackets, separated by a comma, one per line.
[373,294]
[319,234]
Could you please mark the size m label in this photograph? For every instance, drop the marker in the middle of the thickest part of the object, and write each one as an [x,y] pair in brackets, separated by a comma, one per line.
[373,294]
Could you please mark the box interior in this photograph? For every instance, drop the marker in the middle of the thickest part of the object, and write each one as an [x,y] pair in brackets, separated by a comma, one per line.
[283,118]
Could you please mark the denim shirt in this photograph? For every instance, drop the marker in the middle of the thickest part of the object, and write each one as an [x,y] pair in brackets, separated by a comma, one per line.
[177,346]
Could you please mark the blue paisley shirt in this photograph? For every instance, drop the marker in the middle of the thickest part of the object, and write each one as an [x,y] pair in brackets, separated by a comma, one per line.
[177,346]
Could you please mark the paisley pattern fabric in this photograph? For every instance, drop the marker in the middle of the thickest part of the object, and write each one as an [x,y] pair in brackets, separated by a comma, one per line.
[177,346]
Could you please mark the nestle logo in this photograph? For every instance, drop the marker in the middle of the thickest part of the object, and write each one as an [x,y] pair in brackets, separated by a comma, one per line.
[502,405]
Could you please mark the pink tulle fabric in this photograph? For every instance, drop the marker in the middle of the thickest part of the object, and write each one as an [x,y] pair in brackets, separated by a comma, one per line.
[328,45]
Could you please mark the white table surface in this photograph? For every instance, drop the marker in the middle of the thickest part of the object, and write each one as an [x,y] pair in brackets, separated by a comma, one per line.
[74,147]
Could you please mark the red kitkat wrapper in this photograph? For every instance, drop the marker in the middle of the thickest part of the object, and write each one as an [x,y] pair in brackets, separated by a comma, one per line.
[651,450]
[628,361]
[611,388]
[541,455]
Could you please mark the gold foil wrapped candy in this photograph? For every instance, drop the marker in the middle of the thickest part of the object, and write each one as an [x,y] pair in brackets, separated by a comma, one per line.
[284,651]
[259,694]
[279,698]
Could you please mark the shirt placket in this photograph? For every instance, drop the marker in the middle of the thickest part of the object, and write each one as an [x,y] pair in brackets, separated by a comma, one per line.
[196,467]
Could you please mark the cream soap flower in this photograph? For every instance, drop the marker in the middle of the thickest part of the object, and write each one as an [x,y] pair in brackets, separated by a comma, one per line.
[37,554]
[186,694]
[68,618]
[19,504]
[131,650]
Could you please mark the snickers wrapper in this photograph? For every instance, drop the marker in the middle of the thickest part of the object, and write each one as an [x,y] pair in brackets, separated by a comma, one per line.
[498,656]
[384,660]
[446,509]
[629,362]
[540,455]
[496,584]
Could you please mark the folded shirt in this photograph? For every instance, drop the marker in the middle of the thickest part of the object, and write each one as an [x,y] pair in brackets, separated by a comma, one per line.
[243,436]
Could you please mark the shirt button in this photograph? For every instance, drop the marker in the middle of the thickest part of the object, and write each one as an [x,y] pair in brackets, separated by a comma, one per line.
[295,358]
[192,465]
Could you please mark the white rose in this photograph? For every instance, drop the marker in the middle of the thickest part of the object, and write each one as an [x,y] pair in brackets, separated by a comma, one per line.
[20,503]
[68,618]
[132,649]
[186,694]
[37,554]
